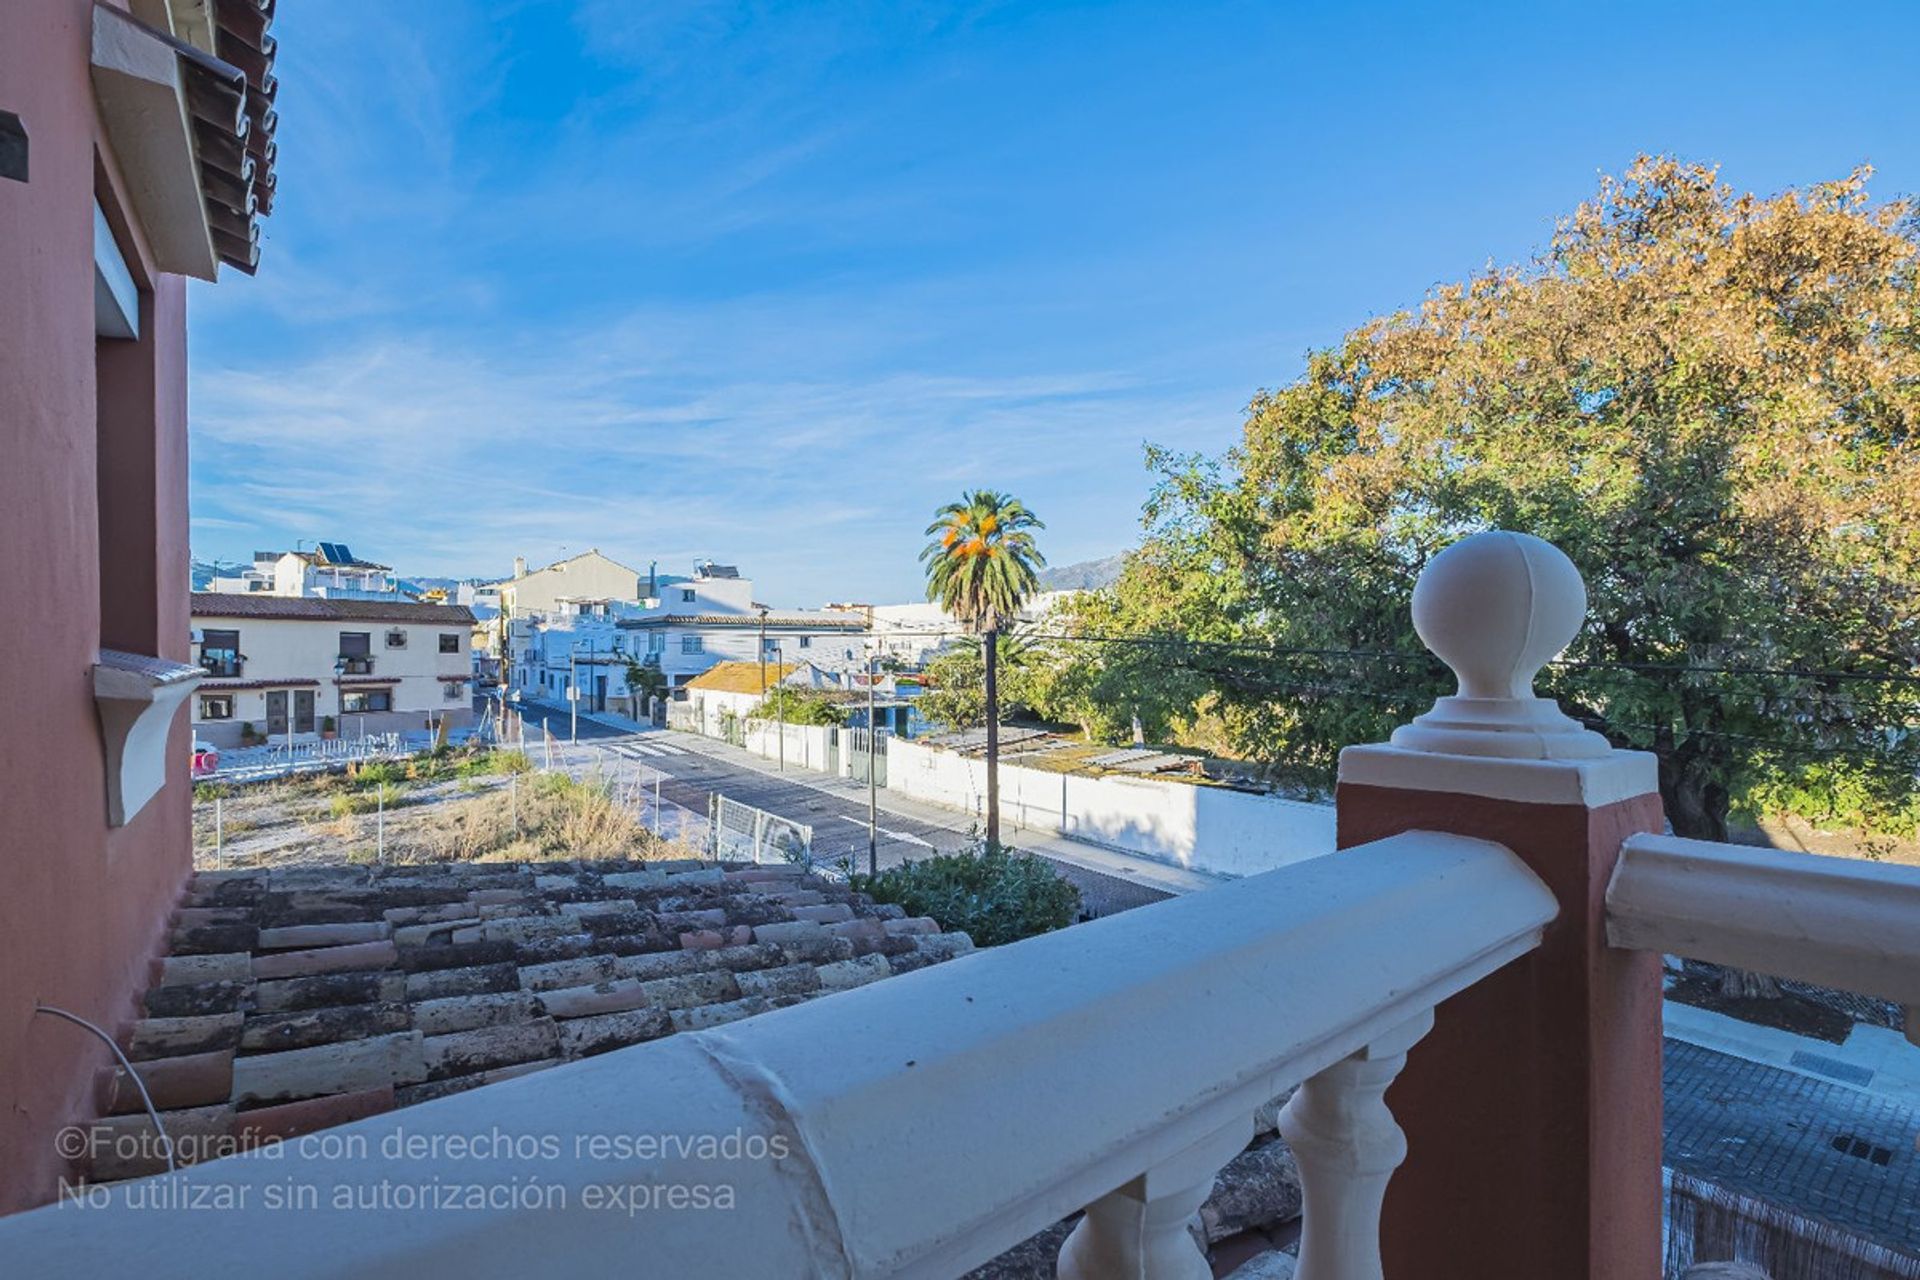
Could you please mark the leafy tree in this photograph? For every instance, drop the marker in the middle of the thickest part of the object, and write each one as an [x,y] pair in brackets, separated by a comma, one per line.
[982,565]
[1707,399]
[798,706]
[645,680]
[956,689]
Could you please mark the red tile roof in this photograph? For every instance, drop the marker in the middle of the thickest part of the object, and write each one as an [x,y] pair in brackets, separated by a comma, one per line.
[304,997]
[235,604]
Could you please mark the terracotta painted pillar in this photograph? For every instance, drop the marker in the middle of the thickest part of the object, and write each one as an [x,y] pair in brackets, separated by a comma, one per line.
[1532,1110]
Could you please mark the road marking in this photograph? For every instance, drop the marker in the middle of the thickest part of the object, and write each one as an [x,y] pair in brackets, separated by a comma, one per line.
[902,836]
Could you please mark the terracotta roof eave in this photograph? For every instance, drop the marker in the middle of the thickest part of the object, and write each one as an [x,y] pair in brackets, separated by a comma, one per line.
[227,604]
[222,686]
[743,620]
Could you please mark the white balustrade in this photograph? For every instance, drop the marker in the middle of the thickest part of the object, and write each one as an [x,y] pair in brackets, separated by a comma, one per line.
[924,1124]
[1844,923]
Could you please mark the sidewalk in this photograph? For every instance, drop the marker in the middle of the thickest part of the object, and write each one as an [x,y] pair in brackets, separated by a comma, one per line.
[1874,1059]
[1165,877]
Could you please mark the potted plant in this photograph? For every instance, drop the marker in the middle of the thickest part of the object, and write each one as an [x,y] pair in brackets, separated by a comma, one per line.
[327,728]
[247,736]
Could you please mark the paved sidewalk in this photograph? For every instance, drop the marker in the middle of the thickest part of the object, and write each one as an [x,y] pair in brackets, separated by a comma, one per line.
[1146,872]
[1877,1060]
[1822,1149]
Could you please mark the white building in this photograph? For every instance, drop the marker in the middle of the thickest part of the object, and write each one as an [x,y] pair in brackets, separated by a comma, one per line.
[711,618]
[310,665]
[587,576]
[912,633]
[329,571]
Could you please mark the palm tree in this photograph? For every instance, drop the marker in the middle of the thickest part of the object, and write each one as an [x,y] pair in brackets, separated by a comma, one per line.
[982,565]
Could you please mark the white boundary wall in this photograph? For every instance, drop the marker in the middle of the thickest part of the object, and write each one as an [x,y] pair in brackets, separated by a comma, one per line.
[806,744]
[1204,828]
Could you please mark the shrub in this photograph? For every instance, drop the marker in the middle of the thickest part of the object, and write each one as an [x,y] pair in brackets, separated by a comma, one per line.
[208,792]
[992,893]
[388,795]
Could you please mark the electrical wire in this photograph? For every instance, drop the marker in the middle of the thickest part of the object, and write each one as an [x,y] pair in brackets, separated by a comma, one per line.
[145,1097]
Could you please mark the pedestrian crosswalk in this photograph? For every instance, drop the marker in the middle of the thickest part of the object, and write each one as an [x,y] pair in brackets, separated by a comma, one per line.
[644,749]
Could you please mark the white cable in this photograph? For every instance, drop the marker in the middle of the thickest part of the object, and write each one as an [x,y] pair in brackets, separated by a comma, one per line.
[138,1083]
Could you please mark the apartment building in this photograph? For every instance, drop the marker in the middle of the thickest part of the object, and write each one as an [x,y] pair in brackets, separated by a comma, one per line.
[330,570]
[712,618]
[303,666]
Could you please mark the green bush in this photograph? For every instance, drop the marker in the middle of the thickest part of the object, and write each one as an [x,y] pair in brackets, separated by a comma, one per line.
[386,795]
[208,792]
[992,893]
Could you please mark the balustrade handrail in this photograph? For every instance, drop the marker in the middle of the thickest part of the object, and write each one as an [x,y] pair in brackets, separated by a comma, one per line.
[1844,923]
[931,1121]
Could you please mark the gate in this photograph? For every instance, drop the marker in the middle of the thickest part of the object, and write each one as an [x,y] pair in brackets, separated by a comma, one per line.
[867,749]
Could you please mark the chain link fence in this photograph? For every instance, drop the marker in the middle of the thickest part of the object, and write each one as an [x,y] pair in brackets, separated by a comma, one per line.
[742,833]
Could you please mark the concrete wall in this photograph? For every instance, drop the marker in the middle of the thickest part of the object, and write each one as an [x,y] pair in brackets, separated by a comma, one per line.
[807,746]
[84,907]
[1207,828]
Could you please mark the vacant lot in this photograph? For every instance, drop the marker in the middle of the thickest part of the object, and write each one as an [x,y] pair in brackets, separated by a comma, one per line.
[479,807]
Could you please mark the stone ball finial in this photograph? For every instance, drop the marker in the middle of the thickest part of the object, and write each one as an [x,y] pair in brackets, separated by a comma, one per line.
[1496,607]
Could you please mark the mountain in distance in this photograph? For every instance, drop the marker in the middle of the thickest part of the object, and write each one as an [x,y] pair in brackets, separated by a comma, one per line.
[205,571]
[1086,575]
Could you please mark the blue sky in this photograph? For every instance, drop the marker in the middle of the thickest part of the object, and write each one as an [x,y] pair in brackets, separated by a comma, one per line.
[769,283]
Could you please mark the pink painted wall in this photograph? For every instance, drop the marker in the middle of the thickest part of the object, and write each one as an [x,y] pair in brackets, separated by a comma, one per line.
[82,908]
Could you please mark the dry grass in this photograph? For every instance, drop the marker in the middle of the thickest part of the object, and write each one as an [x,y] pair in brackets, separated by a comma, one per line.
[552,818]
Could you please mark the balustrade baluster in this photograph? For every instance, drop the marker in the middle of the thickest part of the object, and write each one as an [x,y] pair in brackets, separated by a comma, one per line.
[1347,1145]
[1139,1232]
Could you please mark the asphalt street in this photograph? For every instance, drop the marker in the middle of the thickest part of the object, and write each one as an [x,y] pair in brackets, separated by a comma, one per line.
[839,819]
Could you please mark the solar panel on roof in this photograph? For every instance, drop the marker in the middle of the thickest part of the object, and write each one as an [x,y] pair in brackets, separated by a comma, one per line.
[344,556]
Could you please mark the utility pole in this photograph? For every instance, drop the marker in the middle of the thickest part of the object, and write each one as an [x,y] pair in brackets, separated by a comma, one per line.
[873,794]
[991,640]
[780,710]
[763,651]
[573,692]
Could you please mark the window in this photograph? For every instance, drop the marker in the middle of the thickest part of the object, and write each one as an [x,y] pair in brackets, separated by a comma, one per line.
[220,653]
[449,642]
[656,642]
[396,639]
[217,707]
[454,690]
[686,596]
[806,642]
[356,653]
[366,700]
[692,644]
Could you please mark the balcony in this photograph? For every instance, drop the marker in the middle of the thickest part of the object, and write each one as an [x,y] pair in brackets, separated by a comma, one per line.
[1486,944]
[354,665]
[221,665]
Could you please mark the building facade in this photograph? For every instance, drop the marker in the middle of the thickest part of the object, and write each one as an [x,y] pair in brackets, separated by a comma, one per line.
[279,667]
[695,624]
[112,192]
[329,570]
[589,575]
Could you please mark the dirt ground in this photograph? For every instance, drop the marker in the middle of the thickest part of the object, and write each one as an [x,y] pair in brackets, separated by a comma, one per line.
[486,818]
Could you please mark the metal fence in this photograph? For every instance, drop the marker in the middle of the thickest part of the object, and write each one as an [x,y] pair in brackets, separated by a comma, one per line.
[742,833]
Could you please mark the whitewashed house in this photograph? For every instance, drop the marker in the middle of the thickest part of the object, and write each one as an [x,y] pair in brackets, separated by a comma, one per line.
[307,665]
[329,571]
[692,625]
[909,634]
